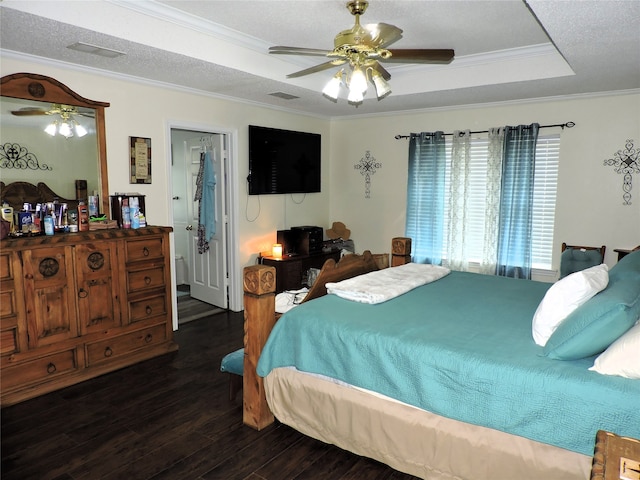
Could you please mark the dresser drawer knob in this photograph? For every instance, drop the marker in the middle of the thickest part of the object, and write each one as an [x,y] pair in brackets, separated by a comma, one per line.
[51,368]
[108,352]
[147,280]
[148,338]
[149,309]
[145,251]
[82,293]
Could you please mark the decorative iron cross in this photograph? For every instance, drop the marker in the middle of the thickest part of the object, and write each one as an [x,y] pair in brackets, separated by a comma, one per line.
[367,167]
[626,162]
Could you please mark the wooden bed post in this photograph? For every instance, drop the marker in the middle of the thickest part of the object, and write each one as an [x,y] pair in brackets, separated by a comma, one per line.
[400,251]
[259,319]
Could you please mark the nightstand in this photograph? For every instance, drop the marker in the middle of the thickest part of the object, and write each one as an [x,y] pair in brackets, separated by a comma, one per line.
[291,269]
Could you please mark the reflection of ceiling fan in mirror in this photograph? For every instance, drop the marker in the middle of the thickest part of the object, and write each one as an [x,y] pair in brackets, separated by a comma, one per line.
[56,109]
[363,47]
[67,126]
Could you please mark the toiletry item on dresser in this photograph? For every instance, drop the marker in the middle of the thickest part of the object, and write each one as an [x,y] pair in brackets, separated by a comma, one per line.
[49,224]
[7,214]
[73,220]
[25,220]
[134,212]
[126,213]
[94,205]
[83,217]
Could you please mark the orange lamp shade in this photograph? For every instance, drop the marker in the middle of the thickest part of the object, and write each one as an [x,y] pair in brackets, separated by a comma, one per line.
[276,250]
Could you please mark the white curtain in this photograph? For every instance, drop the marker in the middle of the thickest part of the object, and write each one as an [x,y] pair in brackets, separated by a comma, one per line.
[458,200]
[489,259]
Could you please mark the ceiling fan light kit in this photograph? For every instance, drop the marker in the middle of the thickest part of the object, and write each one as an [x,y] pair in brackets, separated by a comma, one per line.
[67,124]
[363,47]
[66,129]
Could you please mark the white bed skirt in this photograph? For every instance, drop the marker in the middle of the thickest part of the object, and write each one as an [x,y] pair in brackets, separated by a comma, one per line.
[412,440]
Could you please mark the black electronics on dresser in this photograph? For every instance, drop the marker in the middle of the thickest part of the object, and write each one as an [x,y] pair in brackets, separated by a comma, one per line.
[314,237]
[305,240]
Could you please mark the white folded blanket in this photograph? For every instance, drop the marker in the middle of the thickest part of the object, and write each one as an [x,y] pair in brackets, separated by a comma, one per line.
[388,283]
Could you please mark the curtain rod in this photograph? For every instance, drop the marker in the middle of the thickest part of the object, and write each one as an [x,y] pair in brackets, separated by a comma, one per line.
[561,125]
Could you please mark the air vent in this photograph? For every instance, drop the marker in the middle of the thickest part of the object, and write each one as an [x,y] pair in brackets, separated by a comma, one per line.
[101,51]
[285,96]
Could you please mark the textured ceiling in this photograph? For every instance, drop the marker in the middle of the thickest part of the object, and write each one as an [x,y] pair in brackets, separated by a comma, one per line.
[505,50]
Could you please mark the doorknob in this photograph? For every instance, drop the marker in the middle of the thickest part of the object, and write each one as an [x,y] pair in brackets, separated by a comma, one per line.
[189,227]
[176,198]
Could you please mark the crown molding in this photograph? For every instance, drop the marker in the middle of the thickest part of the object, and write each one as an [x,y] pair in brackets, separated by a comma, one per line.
[10,54]
[184,19]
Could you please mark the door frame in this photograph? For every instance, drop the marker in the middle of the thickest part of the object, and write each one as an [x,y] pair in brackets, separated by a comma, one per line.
[231,174]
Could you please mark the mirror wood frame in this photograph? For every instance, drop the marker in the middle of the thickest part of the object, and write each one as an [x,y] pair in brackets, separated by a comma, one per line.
[40,88]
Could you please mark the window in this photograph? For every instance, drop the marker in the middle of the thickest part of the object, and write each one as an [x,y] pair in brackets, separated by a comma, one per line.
[545,182]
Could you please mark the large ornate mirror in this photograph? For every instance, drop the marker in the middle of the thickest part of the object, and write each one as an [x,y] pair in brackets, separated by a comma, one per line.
[73,147]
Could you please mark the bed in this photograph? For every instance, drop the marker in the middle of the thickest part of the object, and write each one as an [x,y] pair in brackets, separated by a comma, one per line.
[445,381]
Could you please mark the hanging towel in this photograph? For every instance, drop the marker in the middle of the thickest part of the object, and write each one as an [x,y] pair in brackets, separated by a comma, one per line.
[205,195]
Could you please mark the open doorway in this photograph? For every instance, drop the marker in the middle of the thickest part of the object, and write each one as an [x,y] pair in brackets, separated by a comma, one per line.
[201,271]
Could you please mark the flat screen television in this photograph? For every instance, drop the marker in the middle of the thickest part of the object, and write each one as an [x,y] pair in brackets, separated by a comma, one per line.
[283,161]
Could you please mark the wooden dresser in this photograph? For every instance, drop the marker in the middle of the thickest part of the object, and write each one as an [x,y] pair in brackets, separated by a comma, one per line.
[77,305]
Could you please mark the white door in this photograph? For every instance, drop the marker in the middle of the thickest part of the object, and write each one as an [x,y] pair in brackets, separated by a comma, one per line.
[208,271]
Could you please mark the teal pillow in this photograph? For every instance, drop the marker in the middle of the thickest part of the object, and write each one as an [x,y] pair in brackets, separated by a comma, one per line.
[628,267]
[596,324]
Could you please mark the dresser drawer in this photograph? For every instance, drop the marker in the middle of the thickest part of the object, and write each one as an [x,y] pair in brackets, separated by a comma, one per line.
[145,249]
[147,279]
[115,347]
[7,302]
[5,267]
[8,342]
[40,370]
[147,307]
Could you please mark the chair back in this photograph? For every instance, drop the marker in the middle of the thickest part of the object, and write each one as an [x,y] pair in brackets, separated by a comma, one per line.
[577,257]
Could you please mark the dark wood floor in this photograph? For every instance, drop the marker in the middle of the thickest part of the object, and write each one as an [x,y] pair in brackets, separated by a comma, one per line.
[167,418]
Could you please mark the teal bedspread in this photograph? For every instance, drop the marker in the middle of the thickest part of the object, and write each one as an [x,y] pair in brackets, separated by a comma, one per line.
[460,347]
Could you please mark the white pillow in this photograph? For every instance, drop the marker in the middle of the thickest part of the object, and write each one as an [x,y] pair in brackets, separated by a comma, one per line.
[622,357]
[564,297]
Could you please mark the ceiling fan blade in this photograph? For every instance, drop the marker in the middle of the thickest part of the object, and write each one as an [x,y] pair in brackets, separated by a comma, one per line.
[420,55]
[24,112]
[297,51]
[317,68]
[382,34]
[381,70]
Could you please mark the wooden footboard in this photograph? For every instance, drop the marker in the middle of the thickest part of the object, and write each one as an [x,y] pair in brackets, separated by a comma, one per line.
[260,317]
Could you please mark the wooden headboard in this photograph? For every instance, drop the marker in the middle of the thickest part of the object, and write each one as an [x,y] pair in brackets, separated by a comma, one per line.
[17,194]
[349,266]
[259,316]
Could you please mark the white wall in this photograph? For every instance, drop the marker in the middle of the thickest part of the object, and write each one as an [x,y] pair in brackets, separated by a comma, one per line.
[145,110]
[589,208]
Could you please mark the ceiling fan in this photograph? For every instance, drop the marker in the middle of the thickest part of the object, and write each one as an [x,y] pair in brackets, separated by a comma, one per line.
[363,47]
[67,123]
[65,111]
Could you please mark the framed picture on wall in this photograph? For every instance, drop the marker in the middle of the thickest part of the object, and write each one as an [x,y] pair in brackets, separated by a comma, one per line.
[140,160]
